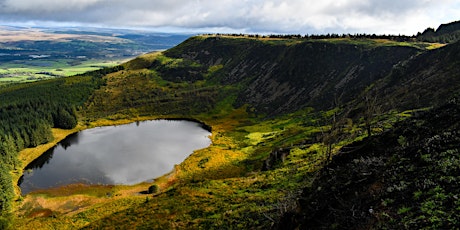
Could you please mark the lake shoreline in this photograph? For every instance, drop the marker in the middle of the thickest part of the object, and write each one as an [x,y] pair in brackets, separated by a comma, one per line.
[26,156]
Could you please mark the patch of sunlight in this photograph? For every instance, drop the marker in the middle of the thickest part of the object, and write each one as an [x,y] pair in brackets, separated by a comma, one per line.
[248,150]
[433,46]
[258,137]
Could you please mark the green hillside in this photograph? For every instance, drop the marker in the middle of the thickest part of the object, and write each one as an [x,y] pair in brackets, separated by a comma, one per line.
[303,129]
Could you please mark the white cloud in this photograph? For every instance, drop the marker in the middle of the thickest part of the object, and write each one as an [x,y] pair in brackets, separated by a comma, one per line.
[19,6]
[283,16]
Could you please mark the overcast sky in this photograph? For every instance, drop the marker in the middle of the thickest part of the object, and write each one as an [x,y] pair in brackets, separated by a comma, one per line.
[246,16]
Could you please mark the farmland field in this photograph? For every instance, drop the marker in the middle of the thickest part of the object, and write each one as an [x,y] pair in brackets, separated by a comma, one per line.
[31,54]
[33,71]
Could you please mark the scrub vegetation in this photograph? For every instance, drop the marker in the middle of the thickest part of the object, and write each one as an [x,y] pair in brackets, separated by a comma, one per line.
[321,133]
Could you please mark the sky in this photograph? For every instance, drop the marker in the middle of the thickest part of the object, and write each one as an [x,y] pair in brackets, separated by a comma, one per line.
[237,16]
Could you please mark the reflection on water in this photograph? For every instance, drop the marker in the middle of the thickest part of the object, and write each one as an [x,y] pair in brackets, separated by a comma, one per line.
[70,140]
[125,154]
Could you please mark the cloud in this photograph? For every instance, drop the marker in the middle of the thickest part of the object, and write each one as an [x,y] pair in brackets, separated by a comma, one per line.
[277,16]
[45,6]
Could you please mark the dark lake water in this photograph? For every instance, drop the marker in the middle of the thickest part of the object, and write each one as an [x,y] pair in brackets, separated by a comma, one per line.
[125,154]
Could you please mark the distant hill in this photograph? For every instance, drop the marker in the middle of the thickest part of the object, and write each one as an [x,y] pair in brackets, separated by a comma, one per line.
[27,53]
[90,42]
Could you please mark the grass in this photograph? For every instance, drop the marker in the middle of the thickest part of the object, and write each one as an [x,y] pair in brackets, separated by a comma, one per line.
[357,41]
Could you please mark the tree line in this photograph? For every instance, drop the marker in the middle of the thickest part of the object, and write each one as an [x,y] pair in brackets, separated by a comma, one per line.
[429,35]
[400,38]
[28,112]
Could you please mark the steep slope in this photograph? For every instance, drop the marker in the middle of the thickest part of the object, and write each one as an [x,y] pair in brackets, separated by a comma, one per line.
[407,178]
[423,81]
[277,77]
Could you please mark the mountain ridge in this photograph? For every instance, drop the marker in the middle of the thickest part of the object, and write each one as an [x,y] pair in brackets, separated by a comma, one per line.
[316,73]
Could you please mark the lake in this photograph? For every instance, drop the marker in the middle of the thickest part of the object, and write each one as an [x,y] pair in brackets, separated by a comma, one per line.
[124,154]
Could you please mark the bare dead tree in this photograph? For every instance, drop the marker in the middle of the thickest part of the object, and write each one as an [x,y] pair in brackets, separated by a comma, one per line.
[335,134]
[371,110]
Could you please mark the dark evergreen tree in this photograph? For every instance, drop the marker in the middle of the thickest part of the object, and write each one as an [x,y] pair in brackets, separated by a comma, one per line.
[27,114]
[65,119]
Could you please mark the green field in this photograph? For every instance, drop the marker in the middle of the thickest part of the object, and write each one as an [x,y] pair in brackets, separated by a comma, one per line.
[17,72]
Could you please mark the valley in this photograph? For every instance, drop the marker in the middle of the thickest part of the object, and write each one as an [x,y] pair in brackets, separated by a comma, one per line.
[327,133]
[30,54]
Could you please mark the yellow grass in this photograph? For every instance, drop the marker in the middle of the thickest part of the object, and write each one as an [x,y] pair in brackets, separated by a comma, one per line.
[37,209]
[257,137]
[435,46]
[71,199]
[26,156]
